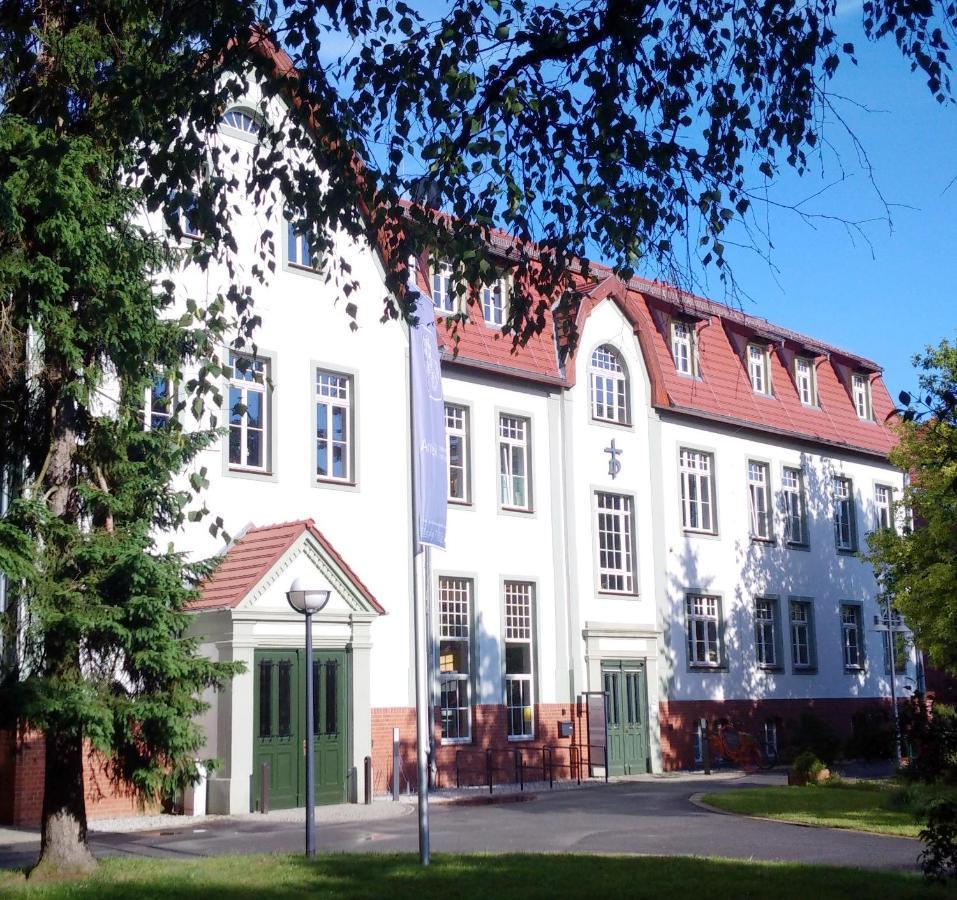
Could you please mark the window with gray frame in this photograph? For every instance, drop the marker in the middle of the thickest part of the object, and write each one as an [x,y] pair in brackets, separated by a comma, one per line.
[901,644]
[609,386]
[249,424]
[795,507]
[514,462]
[851,636]
[334,428]
[765,632]
[299,252]
[519,659]
[614,527]
[882,506]
[160,407]
[494,302]
[806,379]
[697,490]
[704,630]
[457,451]
[455,658]
[803,654]
[759,499]
[845,532]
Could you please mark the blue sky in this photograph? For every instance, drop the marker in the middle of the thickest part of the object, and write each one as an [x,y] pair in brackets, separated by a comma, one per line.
[888,300]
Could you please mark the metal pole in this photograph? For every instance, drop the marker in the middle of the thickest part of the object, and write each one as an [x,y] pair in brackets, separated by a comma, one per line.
[310,749]
[396,766]
[423,730]
[892,652]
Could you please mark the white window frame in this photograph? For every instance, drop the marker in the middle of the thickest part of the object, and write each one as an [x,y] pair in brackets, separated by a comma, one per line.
[844,515]
[159,418]
[334,392]
[759,500]
[759,372]
[520,630]
[801,620]
[455,621]
[442,284]
[495,302]
[683,347]
[258,366]
[608,377]
[615,543]
[805,377]
[514,443]
[457,428]
[766,632]
[795,506]
[704,623]
[884,506]
[297,249]
[861,392]
[852,637]
[698,508]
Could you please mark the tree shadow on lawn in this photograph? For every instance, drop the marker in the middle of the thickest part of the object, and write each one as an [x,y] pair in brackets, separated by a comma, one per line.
[499,877]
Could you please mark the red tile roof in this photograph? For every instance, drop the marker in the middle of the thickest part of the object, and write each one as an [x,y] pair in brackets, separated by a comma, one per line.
[254,554]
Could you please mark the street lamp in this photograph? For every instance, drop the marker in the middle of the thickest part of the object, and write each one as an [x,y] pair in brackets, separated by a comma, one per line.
[307,602]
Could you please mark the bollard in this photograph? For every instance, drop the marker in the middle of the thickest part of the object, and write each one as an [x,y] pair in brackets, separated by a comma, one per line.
[264,788]
[705,747]
[488,769]
[368,780]
[395,765]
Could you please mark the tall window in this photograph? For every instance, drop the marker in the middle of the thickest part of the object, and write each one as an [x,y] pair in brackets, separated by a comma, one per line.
[493,302]
[519,659]
[457,451]
[160,404]
[697,490]
[771,739]
[682,347]
[861,390]
[455,658]
[795,507]
[805,377]
[615,529]
[758,369]
[334,438]
[248,413]
[765,628]
[609,386]
[882,506]
[851,629]
[759,498]
[513,451]
[704,623]
[844,530]
[802,635]
[443,287]
[299,252]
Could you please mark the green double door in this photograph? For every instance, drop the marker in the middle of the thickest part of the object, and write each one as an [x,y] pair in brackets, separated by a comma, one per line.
[279,727]
[626,715]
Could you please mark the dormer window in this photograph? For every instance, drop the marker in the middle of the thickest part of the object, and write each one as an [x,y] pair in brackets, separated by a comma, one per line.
[609,386]
[806,380]
[493,303]
[443,288]
[861,392]
[682,347]
[758,369]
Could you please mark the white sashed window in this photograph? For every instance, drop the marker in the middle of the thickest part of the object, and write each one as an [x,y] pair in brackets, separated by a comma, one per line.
[299,252]
[759,499]
[443,288]
[334,438]
[805,377]
[758,369]
[249,424]
[493,302]
[160,404]
[457,451]
[614,528]
[519,660]
[845,532]
[882,506]
[455,658]
[609,386]
[514,462]
[851,631]
[697,491]
[802,634]
[795,507]
[682,347]
[861,391]
[704,630]
[765,632]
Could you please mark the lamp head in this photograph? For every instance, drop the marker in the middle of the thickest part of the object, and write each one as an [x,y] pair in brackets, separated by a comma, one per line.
[306,601]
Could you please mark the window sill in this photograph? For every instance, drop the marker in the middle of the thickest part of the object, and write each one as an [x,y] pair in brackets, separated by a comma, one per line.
[598,420]
[846,551]
[698,532]
[451,742]
[342,482]
[792,545]
[299,267]
[804,670]
[705,667]
[520,510]
[459,503]
[770,667]
[767,542]
[624,595]
[243,470]
[853,670]
[523,739]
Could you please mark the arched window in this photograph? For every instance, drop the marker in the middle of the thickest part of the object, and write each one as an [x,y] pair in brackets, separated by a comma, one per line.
[609,386]
[245,121]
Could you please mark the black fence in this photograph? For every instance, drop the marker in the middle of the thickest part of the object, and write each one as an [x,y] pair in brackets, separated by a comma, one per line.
[519,765]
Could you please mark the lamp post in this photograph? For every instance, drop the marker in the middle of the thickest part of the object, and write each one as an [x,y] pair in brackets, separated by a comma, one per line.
[886,627]
[307,602]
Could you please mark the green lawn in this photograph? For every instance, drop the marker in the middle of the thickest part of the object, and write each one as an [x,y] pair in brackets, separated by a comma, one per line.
[500,877]
[883,807]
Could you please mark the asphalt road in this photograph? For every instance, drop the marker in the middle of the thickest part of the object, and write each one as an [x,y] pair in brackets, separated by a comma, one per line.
[643,817]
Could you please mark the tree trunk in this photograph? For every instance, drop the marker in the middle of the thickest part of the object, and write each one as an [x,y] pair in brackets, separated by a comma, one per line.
[64,850]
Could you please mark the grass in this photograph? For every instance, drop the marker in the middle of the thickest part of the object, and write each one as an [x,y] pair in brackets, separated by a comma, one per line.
[502,877]
[884,807]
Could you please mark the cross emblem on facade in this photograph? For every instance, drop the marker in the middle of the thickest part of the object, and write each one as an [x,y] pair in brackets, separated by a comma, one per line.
[614,466]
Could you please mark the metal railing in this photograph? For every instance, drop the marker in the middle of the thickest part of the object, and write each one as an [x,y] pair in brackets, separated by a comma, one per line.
[514,764]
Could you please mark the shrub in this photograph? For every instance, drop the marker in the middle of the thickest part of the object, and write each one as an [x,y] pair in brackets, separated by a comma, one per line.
[811,733]
[872,735]
[938,859]
[808,765]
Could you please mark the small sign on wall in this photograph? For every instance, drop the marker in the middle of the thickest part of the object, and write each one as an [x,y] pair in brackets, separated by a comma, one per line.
[564,729]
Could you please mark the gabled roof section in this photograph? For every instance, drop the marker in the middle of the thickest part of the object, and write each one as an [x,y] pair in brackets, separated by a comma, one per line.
[254,554]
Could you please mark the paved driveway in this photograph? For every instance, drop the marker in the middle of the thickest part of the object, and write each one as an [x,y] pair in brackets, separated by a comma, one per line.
[645,816]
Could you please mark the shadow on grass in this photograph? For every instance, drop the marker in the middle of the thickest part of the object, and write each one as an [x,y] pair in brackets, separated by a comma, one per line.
[499,877]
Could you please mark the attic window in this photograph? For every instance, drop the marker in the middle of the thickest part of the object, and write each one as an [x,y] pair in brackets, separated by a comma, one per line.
[758,369]
[861,389]
[243,121]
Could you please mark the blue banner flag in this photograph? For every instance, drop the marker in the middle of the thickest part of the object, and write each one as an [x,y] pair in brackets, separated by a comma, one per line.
[428,428]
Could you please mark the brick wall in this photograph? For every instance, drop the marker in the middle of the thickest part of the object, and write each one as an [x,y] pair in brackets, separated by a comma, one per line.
[489,733]
[678,718]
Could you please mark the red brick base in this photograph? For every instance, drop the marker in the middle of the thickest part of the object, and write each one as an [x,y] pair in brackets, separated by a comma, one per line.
[679,717]
[21,783]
